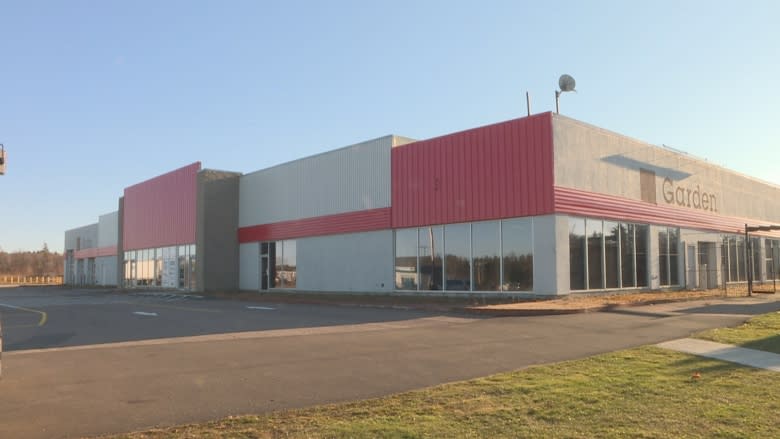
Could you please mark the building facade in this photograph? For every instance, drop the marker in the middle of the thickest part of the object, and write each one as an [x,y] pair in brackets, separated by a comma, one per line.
[542,205]
[91,253]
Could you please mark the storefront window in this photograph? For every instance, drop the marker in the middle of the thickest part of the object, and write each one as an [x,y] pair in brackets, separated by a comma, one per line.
[165,267]
[741,262]
[518,254]
[627,255]
[406,259]
[611,254]
[642,236]
[577,254]
[457,256]
[286,266]
[595,237]
[755,246]
[486,244]
[770,253]
[431,243]
[668,256]
[733,256]
[674,256]
[192,253]
[290,278]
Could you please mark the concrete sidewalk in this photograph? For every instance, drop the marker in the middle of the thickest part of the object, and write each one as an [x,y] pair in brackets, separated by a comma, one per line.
[725,352]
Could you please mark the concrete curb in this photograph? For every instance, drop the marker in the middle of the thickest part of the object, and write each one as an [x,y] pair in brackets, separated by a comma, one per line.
[502,312]
[531,312]
[1,347]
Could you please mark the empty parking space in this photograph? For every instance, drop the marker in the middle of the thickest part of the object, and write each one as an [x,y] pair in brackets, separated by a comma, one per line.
[40,318]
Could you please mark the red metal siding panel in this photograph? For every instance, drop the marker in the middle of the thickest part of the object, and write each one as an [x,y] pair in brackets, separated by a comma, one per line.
[498,171]
[161,211]
[577,202]
[106,251]
[350,222]
[95,252]
[85,253]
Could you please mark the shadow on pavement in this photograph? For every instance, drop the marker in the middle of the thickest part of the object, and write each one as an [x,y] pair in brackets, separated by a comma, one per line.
[740,309]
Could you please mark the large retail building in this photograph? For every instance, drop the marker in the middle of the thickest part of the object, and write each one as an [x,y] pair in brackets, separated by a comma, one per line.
[543,205]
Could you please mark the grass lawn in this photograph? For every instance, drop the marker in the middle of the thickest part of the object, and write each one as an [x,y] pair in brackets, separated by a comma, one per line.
[761,332]
[639,393]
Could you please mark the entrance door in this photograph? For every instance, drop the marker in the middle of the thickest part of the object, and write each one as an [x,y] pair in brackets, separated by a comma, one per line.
[708,265]
[266,255]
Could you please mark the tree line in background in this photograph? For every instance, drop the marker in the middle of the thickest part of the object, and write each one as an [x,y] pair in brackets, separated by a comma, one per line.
[31,263]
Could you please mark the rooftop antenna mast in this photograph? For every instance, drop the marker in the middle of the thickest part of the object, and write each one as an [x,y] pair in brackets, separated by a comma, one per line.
[565,83]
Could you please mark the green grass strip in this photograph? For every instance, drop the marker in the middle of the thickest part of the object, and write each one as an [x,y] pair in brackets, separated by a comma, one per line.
[639,393]
[761,332]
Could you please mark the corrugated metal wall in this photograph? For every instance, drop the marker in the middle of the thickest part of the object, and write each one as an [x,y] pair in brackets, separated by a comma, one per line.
[345,180]
[105,270]
[583,203]
[88,235]
[497,171]
[351,222]
[161,211]
[108,229]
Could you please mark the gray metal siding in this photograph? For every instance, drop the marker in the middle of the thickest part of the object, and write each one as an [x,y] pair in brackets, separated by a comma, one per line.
[345,180]
[105,270]
[354,262]
[108,229]
[88,235]
[592,159]
[249,266]
[401,140]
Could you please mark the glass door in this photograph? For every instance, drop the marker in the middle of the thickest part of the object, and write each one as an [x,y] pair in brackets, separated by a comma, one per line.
[264,266]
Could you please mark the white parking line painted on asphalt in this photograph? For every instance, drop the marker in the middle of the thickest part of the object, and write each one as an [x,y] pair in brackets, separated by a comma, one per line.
[142,313]
[267,308]
[422,322]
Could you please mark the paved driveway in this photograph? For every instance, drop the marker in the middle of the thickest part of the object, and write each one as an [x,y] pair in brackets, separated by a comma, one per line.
[37,318]
[94,389]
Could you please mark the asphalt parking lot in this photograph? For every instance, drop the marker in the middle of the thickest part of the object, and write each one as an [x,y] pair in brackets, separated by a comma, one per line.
[178,361]
[51,317]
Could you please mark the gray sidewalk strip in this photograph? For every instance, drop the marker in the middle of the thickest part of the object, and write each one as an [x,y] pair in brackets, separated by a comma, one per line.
[725,352]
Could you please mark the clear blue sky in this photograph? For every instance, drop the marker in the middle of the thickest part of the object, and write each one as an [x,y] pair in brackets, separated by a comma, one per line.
[96,96]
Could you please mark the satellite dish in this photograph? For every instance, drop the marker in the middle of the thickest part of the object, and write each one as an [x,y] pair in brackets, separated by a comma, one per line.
[566,83]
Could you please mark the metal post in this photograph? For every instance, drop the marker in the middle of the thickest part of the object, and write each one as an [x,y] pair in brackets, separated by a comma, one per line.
[774,269]
[557,98]
[528,102]
[748,264]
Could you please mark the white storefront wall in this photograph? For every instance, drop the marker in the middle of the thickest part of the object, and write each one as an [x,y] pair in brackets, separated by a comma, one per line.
[352,262]
[105,270]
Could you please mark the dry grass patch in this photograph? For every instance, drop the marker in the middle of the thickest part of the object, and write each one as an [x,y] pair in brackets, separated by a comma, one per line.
[600,301]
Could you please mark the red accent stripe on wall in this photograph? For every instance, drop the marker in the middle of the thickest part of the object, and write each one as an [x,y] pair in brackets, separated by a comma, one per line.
[577,202]
[95,252]
[161,211]
[350,222]
[497,171]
